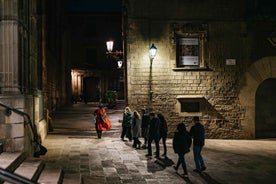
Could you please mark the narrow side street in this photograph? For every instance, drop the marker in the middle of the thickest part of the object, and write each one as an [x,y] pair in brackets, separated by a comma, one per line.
[74,146]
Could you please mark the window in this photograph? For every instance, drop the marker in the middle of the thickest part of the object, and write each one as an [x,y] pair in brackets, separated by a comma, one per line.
[190,50]
[190,105]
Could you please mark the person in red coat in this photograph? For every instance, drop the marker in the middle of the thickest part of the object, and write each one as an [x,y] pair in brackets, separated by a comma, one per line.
[102,121]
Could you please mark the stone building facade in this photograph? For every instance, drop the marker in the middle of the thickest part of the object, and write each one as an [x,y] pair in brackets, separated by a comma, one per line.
[215,59]
[33,74]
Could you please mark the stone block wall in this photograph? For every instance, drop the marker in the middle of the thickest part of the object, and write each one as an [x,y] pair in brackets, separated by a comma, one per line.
[12,126]
[217,84]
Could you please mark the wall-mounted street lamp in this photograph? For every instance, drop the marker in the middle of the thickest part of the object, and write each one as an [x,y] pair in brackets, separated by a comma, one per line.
[120,64]
[152,51]
[109,46]
[152,54]
[117,55]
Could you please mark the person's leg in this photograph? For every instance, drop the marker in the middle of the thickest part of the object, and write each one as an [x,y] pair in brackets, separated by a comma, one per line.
[138,143]
[184,167]
[100,134]
[164,138]
[156,140]
[201,161]
[129,133]
[144,136]
[123,132]
[196,150]
[149,146]
[178,162]
[134,142]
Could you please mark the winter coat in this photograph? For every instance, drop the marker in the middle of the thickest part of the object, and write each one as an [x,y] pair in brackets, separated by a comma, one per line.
[163,127]
[127,119]
[102,121]
[154,129]
[182,142]
[136,127]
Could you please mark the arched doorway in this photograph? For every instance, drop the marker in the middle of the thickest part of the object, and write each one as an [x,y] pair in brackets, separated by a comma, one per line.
[258,82]
[265,118]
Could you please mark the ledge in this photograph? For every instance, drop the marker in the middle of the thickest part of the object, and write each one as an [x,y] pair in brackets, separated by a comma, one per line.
[192,69]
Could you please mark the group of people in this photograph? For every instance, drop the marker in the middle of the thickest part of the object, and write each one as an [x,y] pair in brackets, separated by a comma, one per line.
[148,126]
[153,128]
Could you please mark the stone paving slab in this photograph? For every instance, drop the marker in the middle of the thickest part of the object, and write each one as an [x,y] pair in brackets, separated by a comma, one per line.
[73,146]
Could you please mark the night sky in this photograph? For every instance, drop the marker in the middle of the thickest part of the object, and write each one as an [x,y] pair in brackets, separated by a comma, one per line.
[93,6]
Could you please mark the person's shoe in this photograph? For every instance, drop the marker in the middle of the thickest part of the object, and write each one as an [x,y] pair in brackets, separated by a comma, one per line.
[197,171]
[144,147]
[157,156]
[148,155]
[175,168]
[185,175]
[164,155]
[203,168]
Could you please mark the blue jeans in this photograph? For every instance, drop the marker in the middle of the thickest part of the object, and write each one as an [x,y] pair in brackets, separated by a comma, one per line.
[156,140]
[197,157]
[181,160]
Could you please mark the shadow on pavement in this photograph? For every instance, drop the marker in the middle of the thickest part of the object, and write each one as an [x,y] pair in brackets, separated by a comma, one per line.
[208,178]
[188,181]
[164,162]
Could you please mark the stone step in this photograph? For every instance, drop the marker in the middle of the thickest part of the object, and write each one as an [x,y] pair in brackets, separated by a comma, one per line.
[51,175]
[30,168]
[10,161]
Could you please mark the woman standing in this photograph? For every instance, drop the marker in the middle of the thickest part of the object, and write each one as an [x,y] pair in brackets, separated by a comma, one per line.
[126,124]
[136,129]
[181,145]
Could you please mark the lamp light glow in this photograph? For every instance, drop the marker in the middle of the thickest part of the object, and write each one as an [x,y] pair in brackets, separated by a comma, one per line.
[109,46]
[120,63]
[152,51]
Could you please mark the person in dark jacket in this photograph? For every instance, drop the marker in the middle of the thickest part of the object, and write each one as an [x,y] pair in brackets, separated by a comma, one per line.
[145,127]
[197,132]
[154,133]
[181,145]
[126,124]
[163,132]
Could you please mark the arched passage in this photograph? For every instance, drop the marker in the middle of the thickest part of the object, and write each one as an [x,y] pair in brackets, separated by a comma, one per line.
[265,119]
[256,74]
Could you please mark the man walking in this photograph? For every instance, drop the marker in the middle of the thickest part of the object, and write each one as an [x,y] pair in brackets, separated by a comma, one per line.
[145,127]
[197,132]
[154,133]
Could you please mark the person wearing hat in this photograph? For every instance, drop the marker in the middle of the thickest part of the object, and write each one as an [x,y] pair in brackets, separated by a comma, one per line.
[197,133]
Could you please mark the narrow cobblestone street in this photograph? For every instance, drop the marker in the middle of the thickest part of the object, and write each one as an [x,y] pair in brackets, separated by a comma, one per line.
[84,158]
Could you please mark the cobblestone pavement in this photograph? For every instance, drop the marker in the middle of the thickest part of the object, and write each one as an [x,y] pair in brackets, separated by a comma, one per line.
[73,145]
